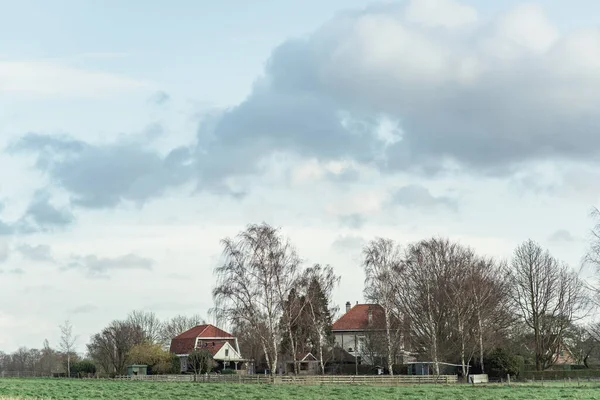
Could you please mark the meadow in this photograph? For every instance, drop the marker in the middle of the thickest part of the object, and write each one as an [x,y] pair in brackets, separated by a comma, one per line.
[11,388]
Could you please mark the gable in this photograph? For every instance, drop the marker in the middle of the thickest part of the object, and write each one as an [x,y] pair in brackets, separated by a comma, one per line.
[226,352]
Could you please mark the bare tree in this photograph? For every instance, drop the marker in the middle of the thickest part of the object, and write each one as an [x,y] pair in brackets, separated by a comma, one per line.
[490,298]
[110,347]
[548,297]
[67,343]
[461,300]
[149,324]
[254,282]
[382,264]
[321,281]
[422,296]
[177,325]
[200,362]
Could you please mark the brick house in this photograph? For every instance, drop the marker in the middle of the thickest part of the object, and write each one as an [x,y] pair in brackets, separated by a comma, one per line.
[222,345]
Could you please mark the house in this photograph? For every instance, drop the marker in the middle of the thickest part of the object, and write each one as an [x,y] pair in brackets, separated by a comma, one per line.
[361,332]
[222,345]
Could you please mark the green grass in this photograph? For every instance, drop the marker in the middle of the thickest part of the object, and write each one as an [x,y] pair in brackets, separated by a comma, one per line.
[100,389]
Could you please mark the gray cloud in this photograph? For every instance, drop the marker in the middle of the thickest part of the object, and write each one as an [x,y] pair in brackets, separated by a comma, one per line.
[83,309]
[417,196]
[101,267]
[561,236]
[354,221]
[14,271]
[44,215]
[487,95]
[40,252]
[160,97]
[4,251]
[100,176]
[347,243]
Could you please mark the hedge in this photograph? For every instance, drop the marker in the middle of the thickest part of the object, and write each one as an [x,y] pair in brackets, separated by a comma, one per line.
[560,375]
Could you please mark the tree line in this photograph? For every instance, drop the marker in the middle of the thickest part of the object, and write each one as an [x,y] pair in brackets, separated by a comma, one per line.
[140,338]
[441,300]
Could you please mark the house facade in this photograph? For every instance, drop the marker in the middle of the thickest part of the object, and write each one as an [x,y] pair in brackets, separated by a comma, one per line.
[222,345]
[361,332]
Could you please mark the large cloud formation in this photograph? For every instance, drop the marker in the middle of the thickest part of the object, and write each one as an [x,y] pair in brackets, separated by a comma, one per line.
[484,96]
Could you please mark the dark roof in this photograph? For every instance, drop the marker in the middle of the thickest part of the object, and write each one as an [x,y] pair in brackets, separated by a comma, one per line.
[357,318]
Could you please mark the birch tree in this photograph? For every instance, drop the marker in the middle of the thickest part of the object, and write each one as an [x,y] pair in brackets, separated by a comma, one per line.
[67,342]
[259,269]
[492,311]
[383,269]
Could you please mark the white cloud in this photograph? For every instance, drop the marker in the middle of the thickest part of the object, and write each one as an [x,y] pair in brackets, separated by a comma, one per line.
[47,78]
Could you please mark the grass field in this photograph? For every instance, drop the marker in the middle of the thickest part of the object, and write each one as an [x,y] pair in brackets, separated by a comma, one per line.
[118,390]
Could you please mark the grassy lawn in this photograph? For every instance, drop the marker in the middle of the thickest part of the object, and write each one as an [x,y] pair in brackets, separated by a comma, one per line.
[100,389]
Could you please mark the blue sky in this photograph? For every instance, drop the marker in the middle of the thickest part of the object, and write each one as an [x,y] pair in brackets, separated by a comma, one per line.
[135,135]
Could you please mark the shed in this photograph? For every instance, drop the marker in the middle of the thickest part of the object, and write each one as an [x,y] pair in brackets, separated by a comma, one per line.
[135,369]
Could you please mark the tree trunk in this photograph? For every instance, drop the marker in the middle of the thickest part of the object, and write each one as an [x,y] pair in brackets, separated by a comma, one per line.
[461,332]
[390,362]
[294,350]
[480,332]
[275,356]
[68,365]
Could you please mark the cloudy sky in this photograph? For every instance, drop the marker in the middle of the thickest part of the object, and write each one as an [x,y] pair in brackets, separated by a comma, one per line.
[135,135]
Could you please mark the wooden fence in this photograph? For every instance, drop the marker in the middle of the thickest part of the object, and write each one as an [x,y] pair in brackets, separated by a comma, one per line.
[313,380]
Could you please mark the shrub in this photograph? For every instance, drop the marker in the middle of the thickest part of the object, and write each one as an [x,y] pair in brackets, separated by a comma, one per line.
[501,363]
[228,372]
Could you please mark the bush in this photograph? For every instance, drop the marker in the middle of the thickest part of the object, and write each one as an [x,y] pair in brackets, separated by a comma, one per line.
[228,372]
[83,368]
[501,363]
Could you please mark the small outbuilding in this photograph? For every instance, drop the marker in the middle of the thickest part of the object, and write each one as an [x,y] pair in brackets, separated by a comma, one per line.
[134,370]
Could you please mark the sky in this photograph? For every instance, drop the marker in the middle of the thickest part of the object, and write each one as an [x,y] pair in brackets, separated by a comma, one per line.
[134,136]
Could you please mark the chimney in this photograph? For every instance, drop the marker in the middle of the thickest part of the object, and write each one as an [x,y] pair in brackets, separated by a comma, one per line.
[370,314]
[348,305]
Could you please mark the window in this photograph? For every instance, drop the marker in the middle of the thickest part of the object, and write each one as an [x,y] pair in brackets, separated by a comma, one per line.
[226,352]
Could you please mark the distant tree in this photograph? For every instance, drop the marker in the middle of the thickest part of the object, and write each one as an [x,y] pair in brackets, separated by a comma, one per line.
[253,284]
[110,347]
[177,325]
[149,324]
[427,269]
[502,363]
[83,368]
[67,342]
[382,264]
[548,297]
[200,362]
[153,355]
[321,282]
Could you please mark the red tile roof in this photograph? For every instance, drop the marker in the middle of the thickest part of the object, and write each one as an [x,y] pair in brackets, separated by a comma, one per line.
[357,318]
[184,343]
[204,331]
[213,347]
